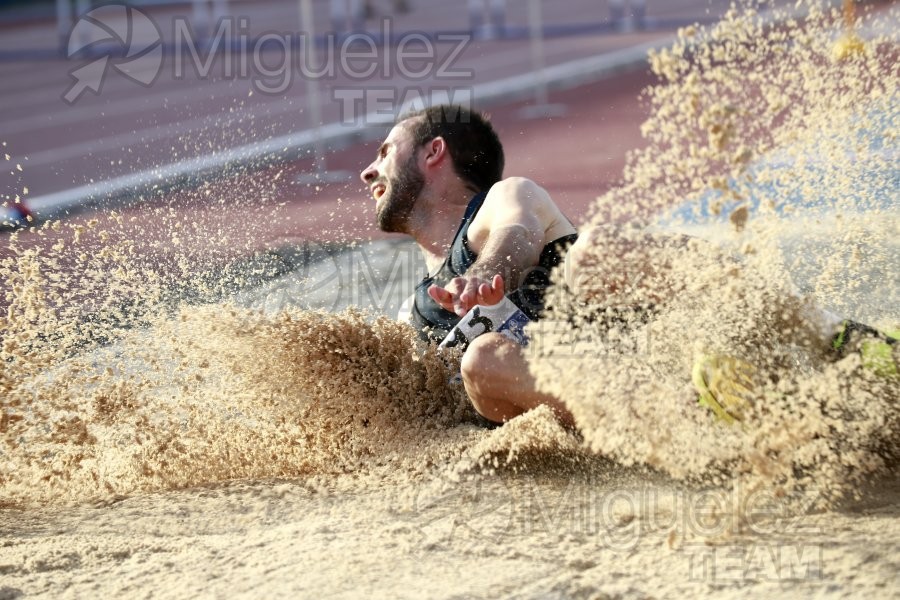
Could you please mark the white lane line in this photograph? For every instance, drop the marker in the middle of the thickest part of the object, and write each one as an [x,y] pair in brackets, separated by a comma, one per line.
[181,129]
[291,145]
[178,95]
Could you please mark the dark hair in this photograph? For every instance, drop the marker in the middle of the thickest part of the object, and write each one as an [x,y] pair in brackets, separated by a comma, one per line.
[473,144]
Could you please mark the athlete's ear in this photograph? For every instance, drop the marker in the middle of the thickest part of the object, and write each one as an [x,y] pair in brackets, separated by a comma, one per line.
[436,151]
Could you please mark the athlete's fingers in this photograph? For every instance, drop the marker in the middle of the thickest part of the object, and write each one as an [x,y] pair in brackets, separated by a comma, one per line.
[492,292]
[490,295]
[461,293]
[470,290]
[498,284]
[444,298]
[456,285]
[469,296]
[487,296]
[438,294]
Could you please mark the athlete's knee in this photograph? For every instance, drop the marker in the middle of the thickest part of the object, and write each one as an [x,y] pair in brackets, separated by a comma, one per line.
[479,364]
[479,361]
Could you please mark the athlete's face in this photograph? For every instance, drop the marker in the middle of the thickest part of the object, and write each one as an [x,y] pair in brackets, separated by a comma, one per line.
[395,181]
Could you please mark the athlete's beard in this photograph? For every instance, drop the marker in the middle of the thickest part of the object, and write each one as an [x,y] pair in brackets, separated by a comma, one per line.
[398,204]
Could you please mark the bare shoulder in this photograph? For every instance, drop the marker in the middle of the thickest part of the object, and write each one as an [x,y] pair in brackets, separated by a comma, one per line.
[518,201]
[519,191]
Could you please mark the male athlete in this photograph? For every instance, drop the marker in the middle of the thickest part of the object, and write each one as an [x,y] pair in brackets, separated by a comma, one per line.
[438,177]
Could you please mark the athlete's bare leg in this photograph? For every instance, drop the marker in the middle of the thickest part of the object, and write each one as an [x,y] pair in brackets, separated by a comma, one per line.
[499,384]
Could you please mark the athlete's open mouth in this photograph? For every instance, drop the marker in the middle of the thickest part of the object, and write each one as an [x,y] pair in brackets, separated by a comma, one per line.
[378,191]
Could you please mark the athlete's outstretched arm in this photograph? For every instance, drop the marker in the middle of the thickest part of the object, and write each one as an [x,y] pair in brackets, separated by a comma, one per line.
[512,226]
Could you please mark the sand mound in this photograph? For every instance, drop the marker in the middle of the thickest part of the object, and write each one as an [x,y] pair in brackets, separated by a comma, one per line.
[125,372]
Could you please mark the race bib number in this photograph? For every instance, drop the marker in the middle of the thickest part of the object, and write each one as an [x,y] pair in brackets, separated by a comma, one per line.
[504,317]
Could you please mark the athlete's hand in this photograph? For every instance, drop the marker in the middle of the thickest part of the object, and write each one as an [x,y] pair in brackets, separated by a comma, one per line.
[462,293]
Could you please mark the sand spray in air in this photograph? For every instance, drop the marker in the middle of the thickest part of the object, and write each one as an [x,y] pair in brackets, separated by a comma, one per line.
[766,114]
[125,375]
[127,370]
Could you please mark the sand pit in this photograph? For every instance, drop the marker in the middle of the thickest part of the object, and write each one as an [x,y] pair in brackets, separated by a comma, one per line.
[173,428]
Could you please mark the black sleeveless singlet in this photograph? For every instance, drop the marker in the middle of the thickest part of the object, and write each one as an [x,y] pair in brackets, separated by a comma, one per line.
[434,323]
